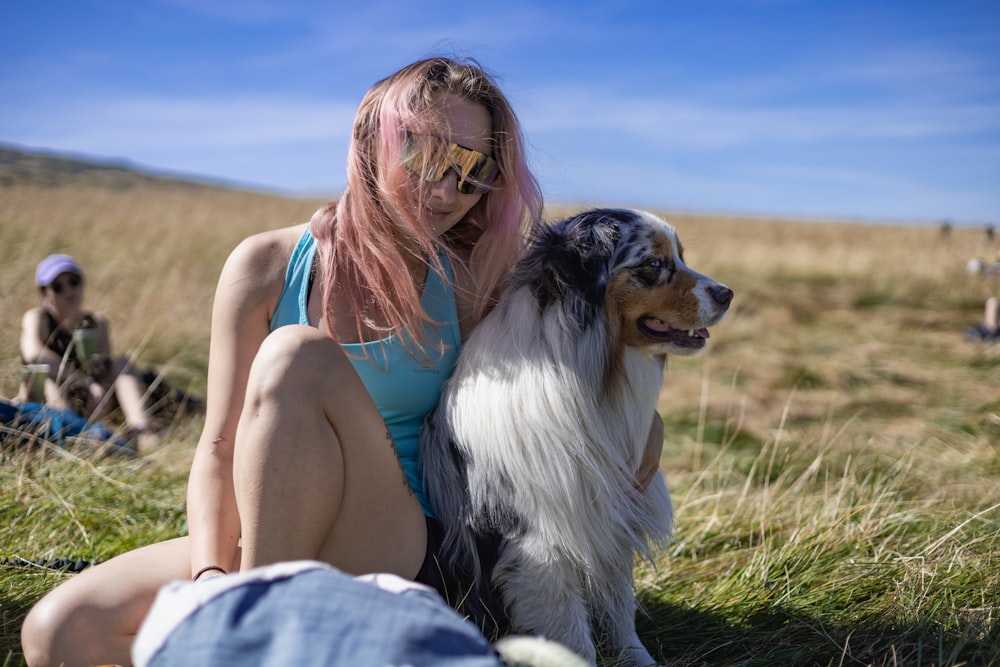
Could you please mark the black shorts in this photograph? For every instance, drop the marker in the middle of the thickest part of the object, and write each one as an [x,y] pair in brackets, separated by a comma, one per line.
[431,572]
[484,608]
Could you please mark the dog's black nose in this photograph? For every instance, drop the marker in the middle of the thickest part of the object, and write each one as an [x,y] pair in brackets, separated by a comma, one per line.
[722,294]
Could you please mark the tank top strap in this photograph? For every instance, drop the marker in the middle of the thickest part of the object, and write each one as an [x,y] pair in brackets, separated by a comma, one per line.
[293,303]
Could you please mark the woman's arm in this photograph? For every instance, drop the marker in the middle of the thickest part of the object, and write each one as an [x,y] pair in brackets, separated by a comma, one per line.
[34,331]
[245,298]
[101,361]
[650,462]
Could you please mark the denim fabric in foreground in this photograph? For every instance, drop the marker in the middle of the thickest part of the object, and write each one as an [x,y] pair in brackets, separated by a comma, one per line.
[306,613]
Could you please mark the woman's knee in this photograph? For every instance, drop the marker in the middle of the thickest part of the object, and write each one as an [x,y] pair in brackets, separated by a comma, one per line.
[91,618]
[37,633]
[291,363]
[55,622]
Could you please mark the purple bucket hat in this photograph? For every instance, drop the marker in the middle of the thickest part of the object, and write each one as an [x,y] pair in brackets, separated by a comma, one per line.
[53,265]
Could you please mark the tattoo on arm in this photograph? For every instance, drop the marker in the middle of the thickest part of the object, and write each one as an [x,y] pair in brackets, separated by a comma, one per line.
[395,452]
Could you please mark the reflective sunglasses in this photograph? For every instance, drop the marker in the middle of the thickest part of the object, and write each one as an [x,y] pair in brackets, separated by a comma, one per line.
[72,280]
[476,171]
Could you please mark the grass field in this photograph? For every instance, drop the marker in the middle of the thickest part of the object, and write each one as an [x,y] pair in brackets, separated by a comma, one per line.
[834,456]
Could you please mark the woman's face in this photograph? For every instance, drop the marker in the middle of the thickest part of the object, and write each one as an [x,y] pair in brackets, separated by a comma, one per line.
[468,125]
[65,293]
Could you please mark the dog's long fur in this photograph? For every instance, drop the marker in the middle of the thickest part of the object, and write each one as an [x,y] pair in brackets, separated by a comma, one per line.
[539,433]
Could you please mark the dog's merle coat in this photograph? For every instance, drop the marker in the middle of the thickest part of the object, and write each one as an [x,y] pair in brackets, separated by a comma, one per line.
[531,456]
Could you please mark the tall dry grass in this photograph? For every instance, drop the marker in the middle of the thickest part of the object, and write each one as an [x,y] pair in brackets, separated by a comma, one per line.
[834,457]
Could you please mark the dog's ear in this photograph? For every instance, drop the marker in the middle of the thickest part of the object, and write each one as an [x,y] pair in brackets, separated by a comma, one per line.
[570,261]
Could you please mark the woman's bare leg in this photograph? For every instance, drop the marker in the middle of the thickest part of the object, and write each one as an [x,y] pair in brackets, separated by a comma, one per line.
[92,618]
[991,316]
[316,473]
[54,395]
[130,395]
[129,392]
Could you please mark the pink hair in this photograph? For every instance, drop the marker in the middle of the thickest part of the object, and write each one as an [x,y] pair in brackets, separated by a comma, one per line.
[366,236]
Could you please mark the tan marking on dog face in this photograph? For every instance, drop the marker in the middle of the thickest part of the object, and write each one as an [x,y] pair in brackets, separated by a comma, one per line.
[632,297]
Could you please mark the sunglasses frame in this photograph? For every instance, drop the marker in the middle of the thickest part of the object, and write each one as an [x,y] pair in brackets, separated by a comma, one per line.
[476,171]
[73,281]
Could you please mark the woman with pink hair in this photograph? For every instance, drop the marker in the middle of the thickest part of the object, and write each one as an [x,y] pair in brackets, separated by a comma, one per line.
[330,343]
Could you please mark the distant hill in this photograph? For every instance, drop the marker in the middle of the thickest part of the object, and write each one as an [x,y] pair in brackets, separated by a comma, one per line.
[20,166]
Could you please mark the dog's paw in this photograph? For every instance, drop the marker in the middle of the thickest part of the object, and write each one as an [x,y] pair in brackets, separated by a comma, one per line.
[519,651]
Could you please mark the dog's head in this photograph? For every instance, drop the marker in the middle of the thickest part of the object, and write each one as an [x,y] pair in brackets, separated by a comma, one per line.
[627,266]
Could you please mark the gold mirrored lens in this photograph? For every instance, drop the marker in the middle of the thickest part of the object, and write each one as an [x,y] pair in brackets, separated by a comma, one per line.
[476,171]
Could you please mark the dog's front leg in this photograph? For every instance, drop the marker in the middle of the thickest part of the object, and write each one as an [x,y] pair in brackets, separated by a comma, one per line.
[618,620]
[544,596]
[629,651]
[636,656]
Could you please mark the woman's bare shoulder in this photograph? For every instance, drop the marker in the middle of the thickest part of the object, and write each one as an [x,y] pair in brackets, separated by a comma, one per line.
[258,263]
[272,245]
[33,313]
[33,318]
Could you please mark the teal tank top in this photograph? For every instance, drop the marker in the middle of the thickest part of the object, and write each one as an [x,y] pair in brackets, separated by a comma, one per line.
[403,390]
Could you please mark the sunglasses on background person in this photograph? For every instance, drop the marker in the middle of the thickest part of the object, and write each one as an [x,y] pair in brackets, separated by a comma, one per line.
[476,171]
[58,286]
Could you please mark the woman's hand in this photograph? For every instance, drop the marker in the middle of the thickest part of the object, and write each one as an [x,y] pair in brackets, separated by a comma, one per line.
[650,463]
[99,365]
[75,381]
[97,392]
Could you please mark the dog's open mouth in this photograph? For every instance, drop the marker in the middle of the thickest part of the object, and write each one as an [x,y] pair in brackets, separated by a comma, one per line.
[658,330]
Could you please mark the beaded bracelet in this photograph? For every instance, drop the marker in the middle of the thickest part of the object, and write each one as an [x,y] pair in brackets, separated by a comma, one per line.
[208,569]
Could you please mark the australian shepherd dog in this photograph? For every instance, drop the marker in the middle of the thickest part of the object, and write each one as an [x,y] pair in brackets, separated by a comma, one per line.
[534,448]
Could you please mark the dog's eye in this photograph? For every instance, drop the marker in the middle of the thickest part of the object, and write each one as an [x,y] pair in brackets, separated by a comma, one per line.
[651,271]
[661,264]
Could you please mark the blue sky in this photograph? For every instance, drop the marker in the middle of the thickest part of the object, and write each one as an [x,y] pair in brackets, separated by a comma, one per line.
[836,108]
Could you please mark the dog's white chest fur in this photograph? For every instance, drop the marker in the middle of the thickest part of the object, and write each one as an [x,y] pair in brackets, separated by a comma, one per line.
[526,407]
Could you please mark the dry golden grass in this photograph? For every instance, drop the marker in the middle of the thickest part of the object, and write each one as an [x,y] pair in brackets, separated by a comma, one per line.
[834,456]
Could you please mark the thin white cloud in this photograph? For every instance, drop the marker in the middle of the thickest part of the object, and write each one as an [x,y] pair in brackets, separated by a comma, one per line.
[188,124]
[769,189]
[678,122]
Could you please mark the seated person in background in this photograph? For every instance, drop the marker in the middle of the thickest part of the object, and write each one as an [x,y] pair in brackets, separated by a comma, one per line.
[989,328]
[981,267]
[76,380]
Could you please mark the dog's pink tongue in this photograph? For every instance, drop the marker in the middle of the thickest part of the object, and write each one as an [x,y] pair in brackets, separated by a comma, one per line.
[657,325]
[661,327]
